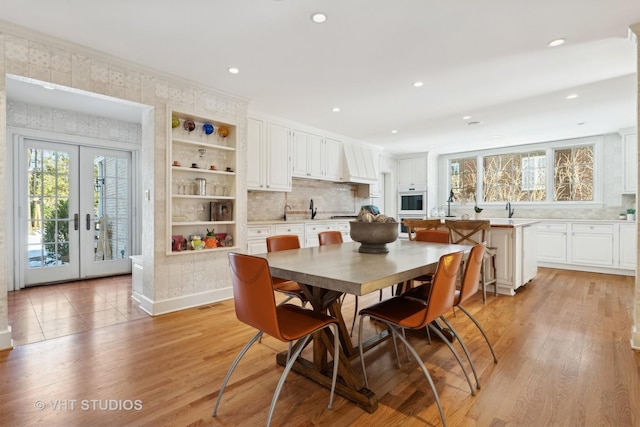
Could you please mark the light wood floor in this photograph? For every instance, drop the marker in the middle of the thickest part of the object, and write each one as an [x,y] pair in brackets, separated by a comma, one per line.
[562,343]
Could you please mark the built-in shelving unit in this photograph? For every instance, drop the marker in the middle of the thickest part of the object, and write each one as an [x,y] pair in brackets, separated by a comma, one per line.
[201,182]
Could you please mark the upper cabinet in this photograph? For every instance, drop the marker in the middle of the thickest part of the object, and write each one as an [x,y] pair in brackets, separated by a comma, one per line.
[412,173]
[201,183]
[317,157]
[269,156]
[629,161]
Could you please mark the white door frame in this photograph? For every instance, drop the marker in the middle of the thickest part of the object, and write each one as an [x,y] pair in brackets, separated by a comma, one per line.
[15,279]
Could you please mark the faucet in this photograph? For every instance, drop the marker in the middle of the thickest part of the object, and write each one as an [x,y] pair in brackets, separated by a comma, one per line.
[313,211]
[508,208]
[284,212]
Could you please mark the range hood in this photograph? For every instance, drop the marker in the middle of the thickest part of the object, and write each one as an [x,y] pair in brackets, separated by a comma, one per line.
[361,164]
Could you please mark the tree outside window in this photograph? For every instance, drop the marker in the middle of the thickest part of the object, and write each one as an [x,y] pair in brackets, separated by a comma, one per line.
[515,177]
[573,174]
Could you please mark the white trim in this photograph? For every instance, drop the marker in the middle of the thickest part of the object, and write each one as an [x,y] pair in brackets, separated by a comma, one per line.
[6,343]
[635,339]
[155,308]
[588,268]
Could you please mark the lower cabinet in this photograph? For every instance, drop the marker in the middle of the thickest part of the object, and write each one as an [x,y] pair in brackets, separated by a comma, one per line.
[598,246]
[307,232]
[516,261]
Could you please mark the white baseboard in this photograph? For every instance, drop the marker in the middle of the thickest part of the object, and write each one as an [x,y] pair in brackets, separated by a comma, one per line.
[169,305]
[591,269]
[6,343]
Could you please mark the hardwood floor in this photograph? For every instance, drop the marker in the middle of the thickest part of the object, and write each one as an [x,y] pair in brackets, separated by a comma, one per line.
[562,344]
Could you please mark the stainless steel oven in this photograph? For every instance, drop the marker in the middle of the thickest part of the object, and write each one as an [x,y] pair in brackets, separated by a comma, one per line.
[404,233]
[412,203]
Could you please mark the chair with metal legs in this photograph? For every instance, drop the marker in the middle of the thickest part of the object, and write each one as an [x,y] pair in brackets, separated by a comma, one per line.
[400,313]
[255,305]
[287,287]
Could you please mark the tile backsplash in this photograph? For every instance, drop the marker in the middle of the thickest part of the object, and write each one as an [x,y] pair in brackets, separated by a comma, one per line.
[329,198]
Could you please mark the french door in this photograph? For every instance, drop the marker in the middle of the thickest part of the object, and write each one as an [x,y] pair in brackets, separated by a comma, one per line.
[74,212]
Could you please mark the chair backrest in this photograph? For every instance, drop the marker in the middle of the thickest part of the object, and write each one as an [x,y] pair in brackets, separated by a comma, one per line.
[471,277]
[413,225]
[468,232]
[443,286]
[253,296]
[435,236]
[329,237]
[282,243]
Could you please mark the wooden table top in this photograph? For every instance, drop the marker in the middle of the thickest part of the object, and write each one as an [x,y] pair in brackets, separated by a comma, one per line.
[342,268]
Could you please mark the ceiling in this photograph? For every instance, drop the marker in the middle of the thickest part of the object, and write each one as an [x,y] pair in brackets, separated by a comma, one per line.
[487,59]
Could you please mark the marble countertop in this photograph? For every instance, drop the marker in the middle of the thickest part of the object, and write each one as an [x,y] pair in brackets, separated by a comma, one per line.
[299,221]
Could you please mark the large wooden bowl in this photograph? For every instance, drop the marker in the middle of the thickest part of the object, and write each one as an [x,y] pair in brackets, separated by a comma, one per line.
[374,236]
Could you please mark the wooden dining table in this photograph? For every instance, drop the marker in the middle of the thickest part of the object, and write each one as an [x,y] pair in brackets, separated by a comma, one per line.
[325,273]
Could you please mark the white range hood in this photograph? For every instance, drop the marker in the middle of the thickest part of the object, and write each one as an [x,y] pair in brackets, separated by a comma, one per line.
[362,164]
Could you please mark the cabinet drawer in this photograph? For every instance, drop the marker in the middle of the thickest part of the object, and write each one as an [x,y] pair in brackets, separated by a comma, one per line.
[343,226]
[592,228]
[553,226]
[258,232]
[290,229]
[314,229]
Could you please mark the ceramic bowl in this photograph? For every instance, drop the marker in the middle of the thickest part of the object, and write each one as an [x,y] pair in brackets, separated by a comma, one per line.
[374,236]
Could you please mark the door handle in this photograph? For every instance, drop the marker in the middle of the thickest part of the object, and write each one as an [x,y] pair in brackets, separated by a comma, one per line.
[88,221]
[76,221]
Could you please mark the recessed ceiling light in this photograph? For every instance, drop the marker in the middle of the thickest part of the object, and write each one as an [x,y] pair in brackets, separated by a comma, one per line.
[394,131]
[319,18]
[233,70]
[474,123]
[418,84]
[556,42]
[572,96]
[466,117]
[336,109]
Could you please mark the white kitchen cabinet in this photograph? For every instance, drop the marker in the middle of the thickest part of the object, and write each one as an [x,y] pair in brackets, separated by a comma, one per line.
[627,246]
[552,242]
[257,238]
[312,229]
[529,253]
[268,156]
[334,157]
[592,244]
[308,155]
[630,162]
[412,173]
[345,229]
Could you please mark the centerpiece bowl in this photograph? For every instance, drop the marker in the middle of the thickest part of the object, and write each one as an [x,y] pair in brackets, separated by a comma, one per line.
[374,236]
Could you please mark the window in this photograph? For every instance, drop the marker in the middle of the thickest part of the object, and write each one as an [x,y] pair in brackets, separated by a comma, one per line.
[573,174]
[523,177]
[464,176]
[514,177]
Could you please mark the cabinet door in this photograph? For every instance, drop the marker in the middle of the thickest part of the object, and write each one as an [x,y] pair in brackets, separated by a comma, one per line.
[630,163]
[277,158]
[628,248]
[255,158]
[502,239]
[334,160]
[412,172]
[315,156]
[552,246]
[299,151]
[529,253]
[592,249]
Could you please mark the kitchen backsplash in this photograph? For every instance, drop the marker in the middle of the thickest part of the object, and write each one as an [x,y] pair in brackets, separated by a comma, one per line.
[329,198]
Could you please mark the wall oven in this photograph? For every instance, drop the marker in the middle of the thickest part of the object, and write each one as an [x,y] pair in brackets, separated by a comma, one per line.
[412,203]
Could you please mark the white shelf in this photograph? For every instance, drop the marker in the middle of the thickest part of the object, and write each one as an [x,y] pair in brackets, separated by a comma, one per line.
[202,144]
[177,224]
[201,170]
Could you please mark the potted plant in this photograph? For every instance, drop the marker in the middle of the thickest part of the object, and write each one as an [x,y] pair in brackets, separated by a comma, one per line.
[478,211]
[631,214]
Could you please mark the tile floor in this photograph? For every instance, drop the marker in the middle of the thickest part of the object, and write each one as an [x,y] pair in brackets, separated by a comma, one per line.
[50,311]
